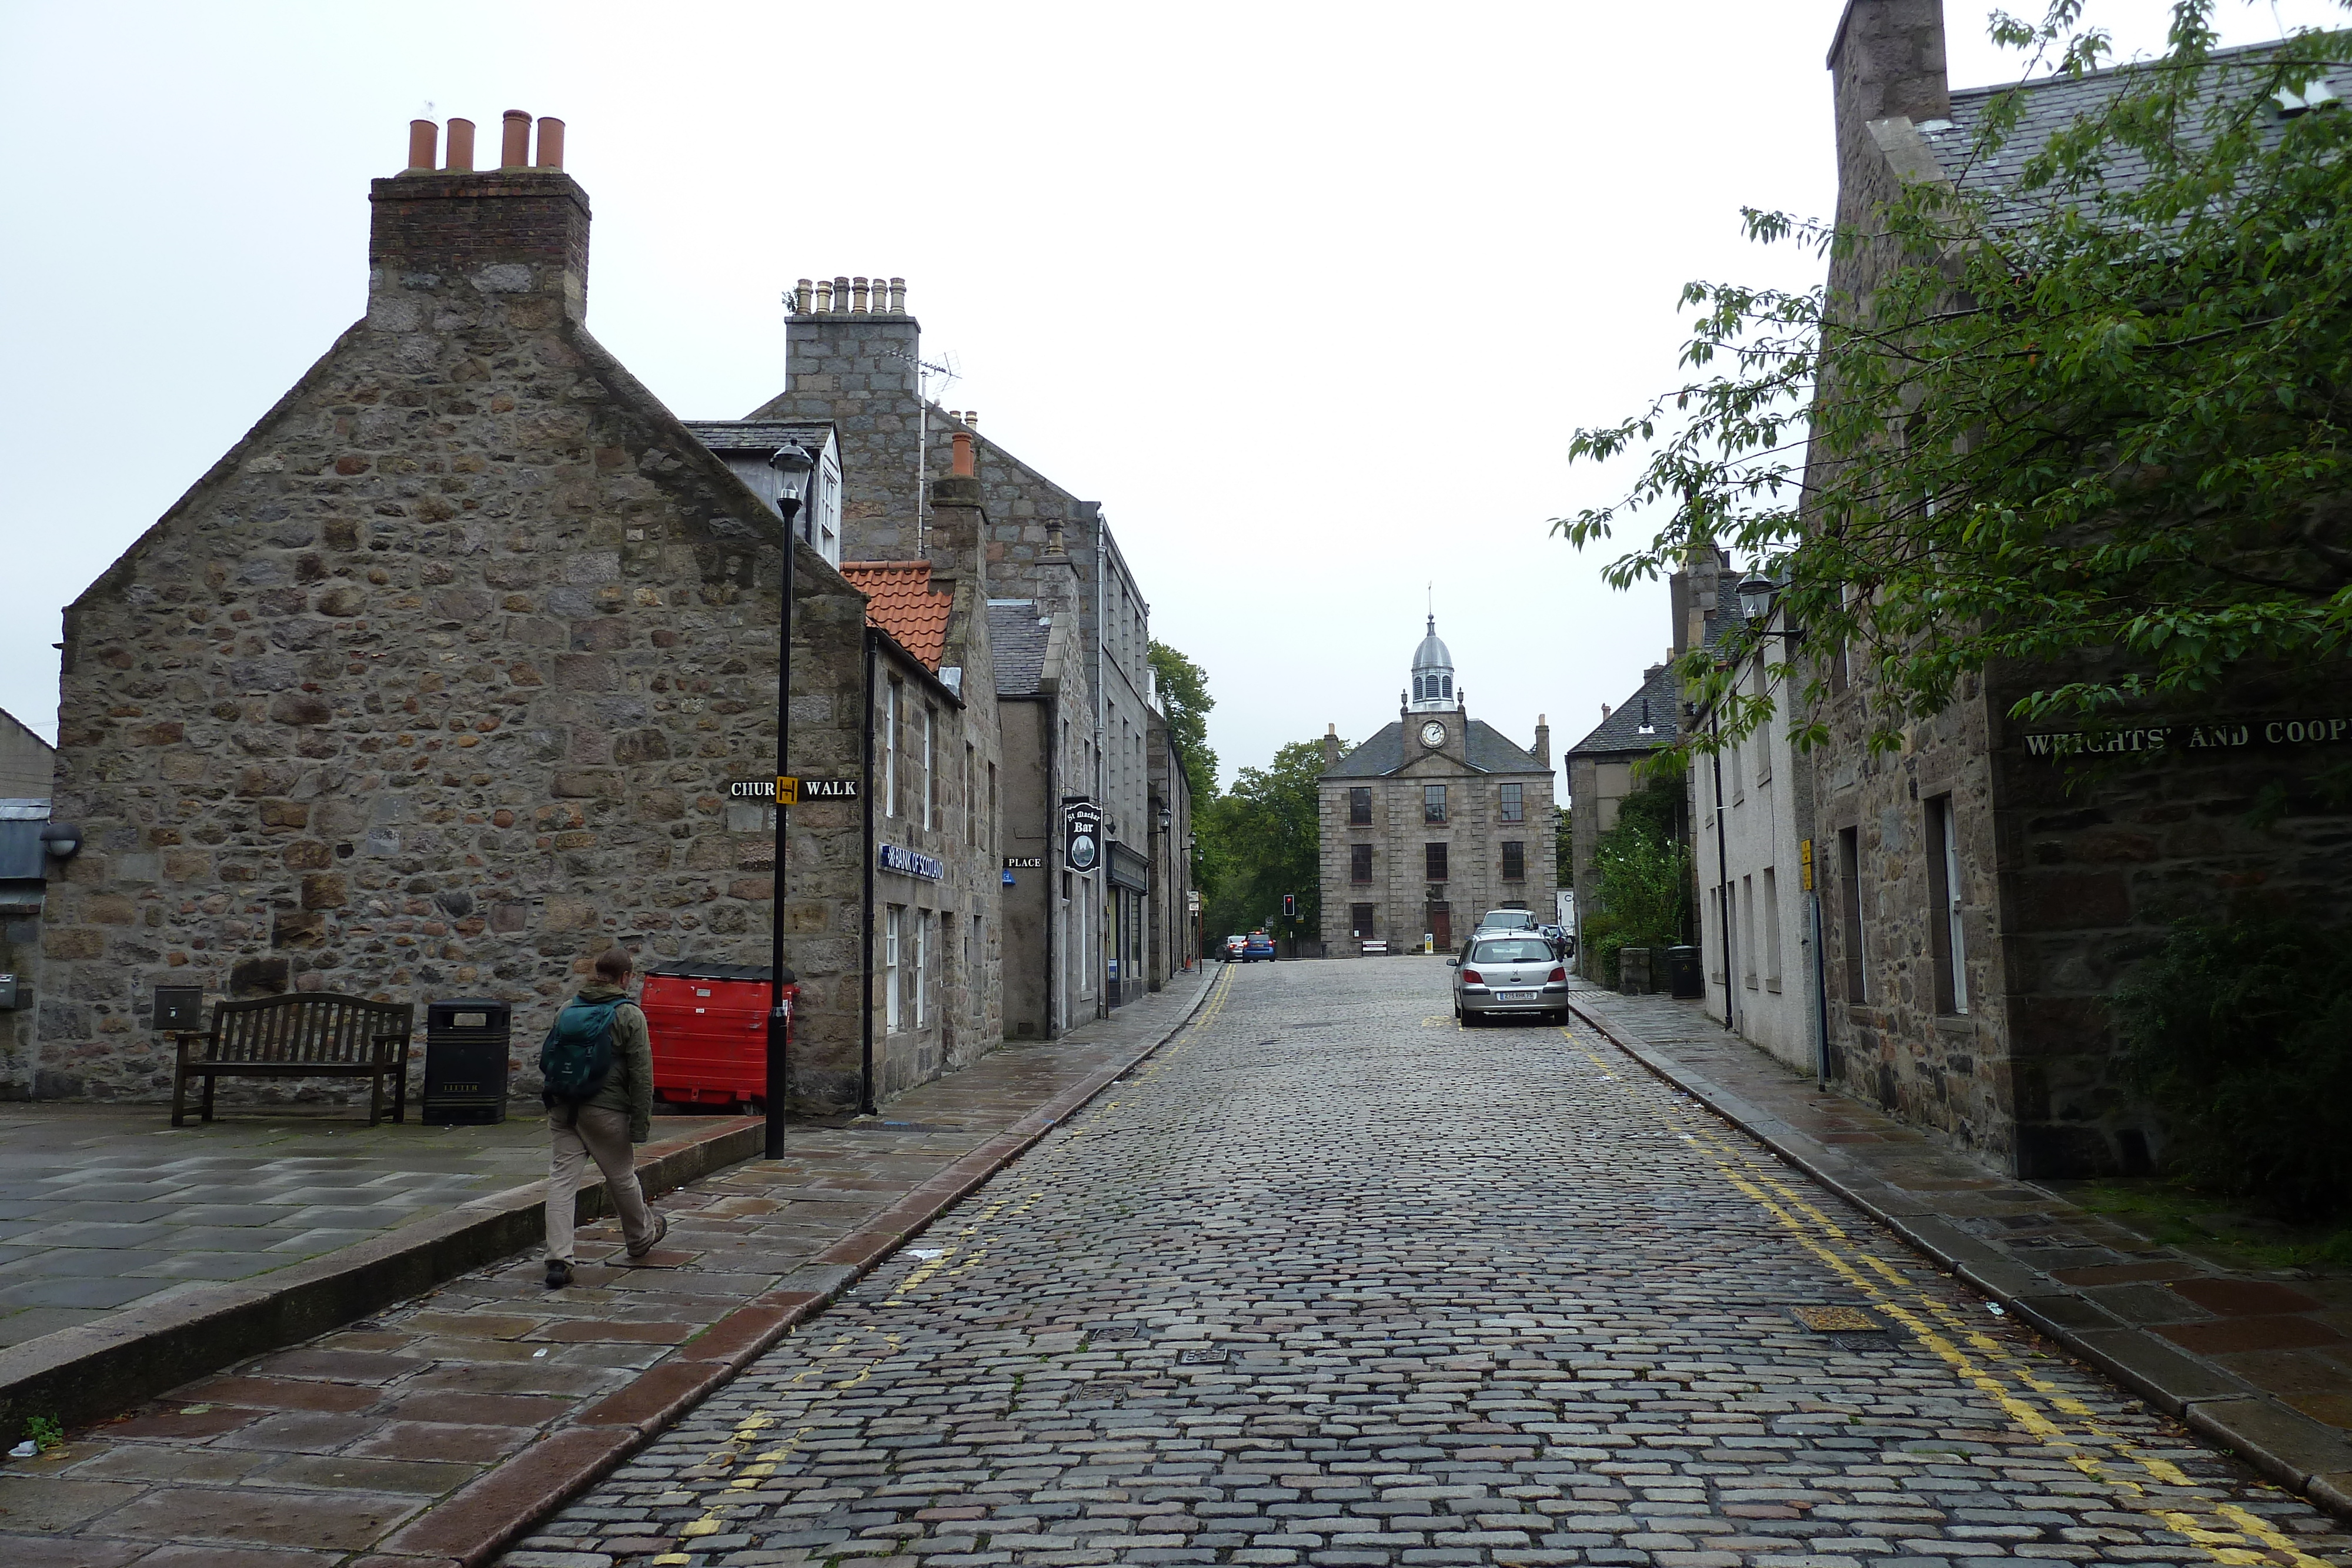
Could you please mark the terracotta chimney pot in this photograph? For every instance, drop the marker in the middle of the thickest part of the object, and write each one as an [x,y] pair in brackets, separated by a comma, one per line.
[803,297]
[898,296]
[960,467]
[461,147]
[841,291]
[424,138]
[551,142]
[514,140]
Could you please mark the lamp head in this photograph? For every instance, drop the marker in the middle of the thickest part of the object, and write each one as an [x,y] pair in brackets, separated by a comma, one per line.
[61,840]
[792,464]
[1755,592]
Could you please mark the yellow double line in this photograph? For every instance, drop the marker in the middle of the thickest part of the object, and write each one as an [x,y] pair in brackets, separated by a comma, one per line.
[970,1247]
[2227,1533]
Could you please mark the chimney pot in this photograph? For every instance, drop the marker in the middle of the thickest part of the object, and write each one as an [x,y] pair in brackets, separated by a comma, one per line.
[514,140]
[972,417]
[823,293]
[898,296]
[960,465]
[551,142]
[461,147]
[423,139]
[804,296]
[858,296]
[840,292]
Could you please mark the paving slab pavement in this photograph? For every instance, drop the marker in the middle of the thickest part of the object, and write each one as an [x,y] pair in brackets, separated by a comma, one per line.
[428,1432]
[2262,1364]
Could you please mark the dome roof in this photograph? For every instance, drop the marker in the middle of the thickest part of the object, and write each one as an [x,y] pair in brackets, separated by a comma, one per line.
[1431,654]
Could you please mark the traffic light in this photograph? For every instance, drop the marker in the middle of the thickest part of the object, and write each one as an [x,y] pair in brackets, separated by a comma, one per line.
[1290,906]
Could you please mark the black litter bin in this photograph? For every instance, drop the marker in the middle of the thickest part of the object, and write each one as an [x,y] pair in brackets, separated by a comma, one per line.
[465,1048]
[1682,973]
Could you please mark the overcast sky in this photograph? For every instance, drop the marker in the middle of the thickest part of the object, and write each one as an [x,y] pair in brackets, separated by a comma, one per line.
[1308,296]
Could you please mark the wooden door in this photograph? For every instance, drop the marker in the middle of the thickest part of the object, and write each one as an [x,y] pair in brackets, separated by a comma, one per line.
[1441,926]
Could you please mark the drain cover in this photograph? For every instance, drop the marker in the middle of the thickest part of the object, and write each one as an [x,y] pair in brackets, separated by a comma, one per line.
[1206,1355]
[1115,1331]
[1837,1320]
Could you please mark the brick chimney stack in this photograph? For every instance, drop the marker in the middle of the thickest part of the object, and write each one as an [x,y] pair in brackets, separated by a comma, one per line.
[1543,741]
[958,525]
[1887,61]
[1330,747]
[515,234]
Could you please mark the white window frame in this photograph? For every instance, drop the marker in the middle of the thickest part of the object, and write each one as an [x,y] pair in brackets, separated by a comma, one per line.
[1951,852]
[890,746]
[922,967]
[890,969]
[931,773]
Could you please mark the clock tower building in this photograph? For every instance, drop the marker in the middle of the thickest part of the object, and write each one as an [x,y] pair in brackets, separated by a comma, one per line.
[1433,821]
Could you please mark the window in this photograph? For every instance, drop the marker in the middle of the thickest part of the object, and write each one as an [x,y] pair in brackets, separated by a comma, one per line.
[1771,930]
[893,694]
[1747,931]
[890,969]
[1360,863]
[991,808]
[1433,802]
[931,776]
[1943,908]
[1739,776]
[1360,807]
[1514,802]
[1433,858]
[1857,988]
[922,967]
[1420,688]
[1359,919]
[971,801]
[1447,682]
[1514,861]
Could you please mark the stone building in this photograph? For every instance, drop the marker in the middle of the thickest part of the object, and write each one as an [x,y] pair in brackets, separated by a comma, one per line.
[1983,891]
[1175,937]
[854,357]
[437,682]
[1046,712]
[1434,821]
[28,763]
[1600,774]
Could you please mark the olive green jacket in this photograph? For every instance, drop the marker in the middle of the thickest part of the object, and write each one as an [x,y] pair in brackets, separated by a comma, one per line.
[630,1086]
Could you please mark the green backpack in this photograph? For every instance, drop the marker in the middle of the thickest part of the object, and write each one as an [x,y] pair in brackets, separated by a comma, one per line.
[577,1056]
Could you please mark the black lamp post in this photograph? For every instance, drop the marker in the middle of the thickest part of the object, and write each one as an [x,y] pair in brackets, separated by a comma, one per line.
[1756,592]
[792,464]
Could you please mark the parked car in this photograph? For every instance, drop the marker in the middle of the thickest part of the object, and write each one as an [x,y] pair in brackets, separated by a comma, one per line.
[1502,973]
[1561,941]
[1507,920]
[1260,946]
[1233,945]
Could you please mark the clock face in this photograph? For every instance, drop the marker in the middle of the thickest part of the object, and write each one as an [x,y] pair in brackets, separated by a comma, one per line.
[1432,733]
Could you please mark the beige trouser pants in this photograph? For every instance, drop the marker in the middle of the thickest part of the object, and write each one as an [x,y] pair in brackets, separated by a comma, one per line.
[577,1134]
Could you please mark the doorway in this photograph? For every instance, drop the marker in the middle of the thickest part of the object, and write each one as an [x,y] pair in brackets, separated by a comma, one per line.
[1441,926]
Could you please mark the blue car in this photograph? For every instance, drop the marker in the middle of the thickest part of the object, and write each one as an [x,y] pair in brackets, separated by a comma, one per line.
[1259,945]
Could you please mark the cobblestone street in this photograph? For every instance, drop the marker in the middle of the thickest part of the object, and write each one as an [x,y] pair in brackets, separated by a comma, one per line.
[1333,1281]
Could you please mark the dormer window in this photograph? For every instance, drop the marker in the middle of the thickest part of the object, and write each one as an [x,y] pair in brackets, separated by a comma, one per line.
[2315,94]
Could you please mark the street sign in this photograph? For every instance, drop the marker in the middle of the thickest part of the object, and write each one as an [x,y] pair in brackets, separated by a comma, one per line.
[791,791]
[1081,832]
[1024,863]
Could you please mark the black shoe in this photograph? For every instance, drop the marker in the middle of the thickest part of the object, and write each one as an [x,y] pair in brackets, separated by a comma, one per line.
[559,1273]
[661,1229]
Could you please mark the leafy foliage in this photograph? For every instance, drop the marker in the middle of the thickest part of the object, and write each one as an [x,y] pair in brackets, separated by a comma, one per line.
[1563,851]
[1270,838]
[2087,419]
[2241,1033]
[1184,697]
[1644,871]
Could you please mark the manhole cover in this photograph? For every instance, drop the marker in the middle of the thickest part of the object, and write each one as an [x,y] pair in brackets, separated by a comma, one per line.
[1837,1320]
[1115,1330]
[1205,1356]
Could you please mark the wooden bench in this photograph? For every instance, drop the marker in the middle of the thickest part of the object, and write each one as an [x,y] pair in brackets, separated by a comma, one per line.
[1372,948]
[311,1034]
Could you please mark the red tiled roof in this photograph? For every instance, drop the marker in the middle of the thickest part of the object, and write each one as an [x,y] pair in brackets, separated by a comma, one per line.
[900,601]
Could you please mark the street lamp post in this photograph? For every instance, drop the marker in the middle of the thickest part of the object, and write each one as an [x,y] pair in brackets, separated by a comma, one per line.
[792,464]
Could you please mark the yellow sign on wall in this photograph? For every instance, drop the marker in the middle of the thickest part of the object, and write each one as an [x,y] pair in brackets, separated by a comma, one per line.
[788,793]
[1805,862]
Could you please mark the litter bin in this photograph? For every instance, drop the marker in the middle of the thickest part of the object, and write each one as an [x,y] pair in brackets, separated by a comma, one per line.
[710,1029]
[467,1046]
[1681,972]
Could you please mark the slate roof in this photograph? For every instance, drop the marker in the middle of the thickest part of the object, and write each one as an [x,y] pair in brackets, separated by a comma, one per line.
[1385,753]
[2049,104]
[900,600]
[760,435]
[1016,637]
[1657,701]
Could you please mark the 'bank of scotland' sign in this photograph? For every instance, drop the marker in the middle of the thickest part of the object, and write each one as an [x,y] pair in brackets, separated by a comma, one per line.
[906,862]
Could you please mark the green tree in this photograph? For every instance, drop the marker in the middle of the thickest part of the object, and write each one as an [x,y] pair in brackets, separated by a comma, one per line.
[1270,837]
[2089,426]
[1563,848]
[1184,697]
[1642,867]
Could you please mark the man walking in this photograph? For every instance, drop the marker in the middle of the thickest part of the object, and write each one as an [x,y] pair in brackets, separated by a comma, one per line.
[598,1063]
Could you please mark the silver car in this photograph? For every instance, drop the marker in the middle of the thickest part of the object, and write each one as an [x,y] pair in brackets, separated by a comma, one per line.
[1503,973]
